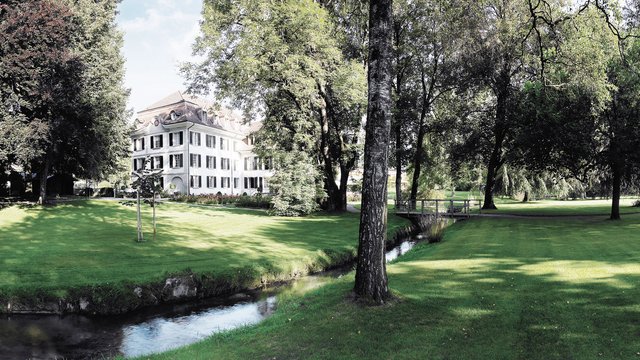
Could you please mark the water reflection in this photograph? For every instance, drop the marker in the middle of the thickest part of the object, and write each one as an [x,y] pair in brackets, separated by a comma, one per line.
[162,334]
[400,250]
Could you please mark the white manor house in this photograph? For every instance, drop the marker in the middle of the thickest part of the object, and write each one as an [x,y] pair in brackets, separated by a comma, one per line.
[200,151]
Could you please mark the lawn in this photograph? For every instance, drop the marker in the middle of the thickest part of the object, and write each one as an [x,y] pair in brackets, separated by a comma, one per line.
[493,289]
[93,243]
[562,207]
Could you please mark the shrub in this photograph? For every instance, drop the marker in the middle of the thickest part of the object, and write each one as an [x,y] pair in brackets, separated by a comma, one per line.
[433,227]
[636,203]
[258,201]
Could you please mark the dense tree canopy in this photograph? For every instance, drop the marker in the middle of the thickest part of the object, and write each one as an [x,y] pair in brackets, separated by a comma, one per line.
[63,101]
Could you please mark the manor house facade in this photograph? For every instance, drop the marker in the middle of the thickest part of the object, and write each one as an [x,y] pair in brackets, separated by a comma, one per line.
[201,151]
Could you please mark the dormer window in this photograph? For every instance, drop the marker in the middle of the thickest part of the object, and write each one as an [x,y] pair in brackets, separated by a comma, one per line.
[173,116]
[204,116]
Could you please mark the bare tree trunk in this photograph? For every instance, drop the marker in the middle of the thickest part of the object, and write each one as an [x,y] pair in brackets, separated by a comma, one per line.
[371,272]
[398,182]
[526,197]
[140,237]
[492,169]
[417,162]
[615,191]
[44,175]
[153,204]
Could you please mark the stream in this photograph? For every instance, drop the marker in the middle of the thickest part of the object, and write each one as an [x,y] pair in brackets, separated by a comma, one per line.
[152,330]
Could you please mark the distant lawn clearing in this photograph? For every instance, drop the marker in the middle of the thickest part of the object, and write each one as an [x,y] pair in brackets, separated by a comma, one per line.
[562,207]
[93,243]
[493,289]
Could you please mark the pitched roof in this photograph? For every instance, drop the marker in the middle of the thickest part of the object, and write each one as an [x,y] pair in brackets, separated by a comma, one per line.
[193,109]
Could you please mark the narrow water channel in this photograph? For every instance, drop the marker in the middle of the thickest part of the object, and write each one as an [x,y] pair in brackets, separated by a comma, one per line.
[148,331]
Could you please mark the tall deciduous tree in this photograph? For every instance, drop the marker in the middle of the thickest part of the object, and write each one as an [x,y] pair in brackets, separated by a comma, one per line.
[278,59]
[62,99]
[371,273]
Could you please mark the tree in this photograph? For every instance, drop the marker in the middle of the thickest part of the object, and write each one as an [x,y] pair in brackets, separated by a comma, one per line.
[38,81]
[147,184]
[294,185]
[63,103]
[371,273]
[585,104]
[274,59]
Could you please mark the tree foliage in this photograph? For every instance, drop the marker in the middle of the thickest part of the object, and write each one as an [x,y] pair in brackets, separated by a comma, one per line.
[277,60]
[61,88]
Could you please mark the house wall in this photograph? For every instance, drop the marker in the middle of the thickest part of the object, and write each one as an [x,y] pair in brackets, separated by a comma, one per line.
[181,176]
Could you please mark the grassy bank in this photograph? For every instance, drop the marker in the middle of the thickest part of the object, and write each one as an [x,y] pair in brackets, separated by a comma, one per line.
[562,207]
[92,243]
[493,289]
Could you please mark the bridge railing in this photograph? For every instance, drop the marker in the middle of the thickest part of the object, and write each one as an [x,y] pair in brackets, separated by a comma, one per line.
[437,207]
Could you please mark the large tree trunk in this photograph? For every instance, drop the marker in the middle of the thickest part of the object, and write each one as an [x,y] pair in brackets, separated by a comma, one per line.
[417,162]
[615,191]
[44,175]
[344,179]
[419,156]
[371,272]
[499,132]
[490,184]
[336,197]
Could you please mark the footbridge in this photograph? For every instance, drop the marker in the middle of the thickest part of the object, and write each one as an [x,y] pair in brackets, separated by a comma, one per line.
[438,207]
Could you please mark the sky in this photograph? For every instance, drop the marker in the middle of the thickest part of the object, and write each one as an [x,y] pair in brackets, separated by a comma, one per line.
[158,35]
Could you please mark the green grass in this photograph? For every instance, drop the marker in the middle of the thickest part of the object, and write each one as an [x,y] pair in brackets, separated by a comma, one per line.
[493,289]
[562,207]
[93,243]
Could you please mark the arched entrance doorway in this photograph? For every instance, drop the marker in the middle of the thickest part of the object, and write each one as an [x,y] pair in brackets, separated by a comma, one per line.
[178,185]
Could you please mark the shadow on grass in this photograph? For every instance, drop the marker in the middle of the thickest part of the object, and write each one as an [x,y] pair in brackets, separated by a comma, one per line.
[84,243]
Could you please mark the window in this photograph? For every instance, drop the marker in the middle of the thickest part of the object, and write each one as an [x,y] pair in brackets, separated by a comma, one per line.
[194,138]
[196,181]
[176,138]
[161,182]
[253,183]
[222,143]
[235,165]
[211,141]
[225,164]
[211,162]
[226,182]
[175,161]
[268,164]
[236,183]
[195,160]
[252,163]
[211,182]
[137,164]
[138,144]
[156,141]
[157,162]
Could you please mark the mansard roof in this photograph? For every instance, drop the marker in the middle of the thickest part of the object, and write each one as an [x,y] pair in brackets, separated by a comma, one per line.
[179,107]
